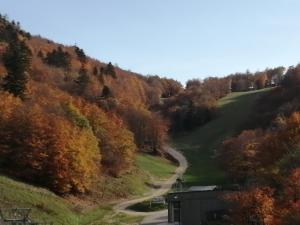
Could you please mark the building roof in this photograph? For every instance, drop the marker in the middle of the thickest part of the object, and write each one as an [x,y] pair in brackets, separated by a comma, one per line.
[203,188]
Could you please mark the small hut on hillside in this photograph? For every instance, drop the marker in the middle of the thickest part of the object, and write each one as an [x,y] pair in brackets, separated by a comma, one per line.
[198,205]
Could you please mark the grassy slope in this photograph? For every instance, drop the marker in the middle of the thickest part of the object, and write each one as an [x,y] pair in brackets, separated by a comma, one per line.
[157,167]
[49,207]
[199,145]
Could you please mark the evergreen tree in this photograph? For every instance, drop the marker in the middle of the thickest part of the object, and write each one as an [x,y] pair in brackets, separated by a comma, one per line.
[58,58]
[80,54]
[106,92]
[82,80]
[110,70]
[17,62]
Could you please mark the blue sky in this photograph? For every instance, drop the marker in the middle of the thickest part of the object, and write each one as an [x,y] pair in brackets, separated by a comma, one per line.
[181,39]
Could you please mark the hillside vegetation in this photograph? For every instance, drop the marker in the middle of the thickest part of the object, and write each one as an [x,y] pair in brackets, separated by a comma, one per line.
[264,158]
[46,206]
[67,121]
[200,145]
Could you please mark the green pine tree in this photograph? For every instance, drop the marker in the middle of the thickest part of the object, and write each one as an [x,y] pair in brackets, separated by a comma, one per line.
[106,92]
[17,62]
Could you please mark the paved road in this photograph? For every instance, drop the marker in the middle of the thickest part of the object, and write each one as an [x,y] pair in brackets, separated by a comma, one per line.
[158,217]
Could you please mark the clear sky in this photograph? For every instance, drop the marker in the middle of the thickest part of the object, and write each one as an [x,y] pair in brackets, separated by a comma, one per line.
[181,39]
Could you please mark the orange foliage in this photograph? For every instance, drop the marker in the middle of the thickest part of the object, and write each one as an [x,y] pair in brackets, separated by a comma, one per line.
[148,128]
[255,206]
[116,142]
[238,154]
[292,189]
[261,80]
[259,153]
[270,157]
[40,145]
[8,104]
[279,143]
[288,206]
[48,150]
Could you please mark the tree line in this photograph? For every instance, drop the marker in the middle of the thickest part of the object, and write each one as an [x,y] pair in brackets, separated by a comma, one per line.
[197,103]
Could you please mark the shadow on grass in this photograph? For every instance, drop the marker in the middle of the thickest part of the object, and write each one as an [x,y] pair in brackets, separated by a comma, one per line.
[147,206]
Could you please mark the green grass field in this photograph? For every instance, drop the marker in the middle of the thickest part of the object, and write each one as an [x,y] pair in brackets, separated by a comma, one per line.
[47,206]
[156,166]
[199,145]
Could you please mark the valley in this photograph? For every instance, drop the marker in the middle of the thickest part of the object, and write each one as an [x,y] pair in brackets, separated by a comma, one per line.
[200,145]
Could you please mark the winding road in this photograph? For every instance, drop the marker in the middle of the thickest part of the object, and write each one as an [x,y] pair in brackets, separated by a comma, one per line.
[158,217]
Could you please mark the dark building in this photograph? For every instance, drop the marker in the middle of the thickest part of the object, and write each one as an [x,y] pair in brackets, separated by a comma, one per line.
[197,206]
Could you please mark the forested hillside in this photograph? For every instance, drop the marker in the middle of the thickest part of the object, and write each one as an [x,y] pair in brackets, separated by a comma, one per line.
[265,158]
[67,119]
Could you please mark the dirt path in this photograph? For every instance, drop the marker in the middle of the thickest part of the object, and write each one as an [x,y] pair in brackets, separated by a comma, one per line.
[165,186]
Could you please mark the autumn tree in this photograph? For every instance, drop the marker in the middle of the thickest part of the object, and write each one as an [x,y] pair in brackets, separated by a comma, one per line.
[157,134]
[189,109]
[278,144]
[292,77]
[8,104]
[75,116]
[170,87]
[238,155]
[266,157]
[241,81]
[48,150]
[255,206]
[275,74]
[292,188]
[194,83]
[149,129]
[261,80]
[116,142]
[292,198]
